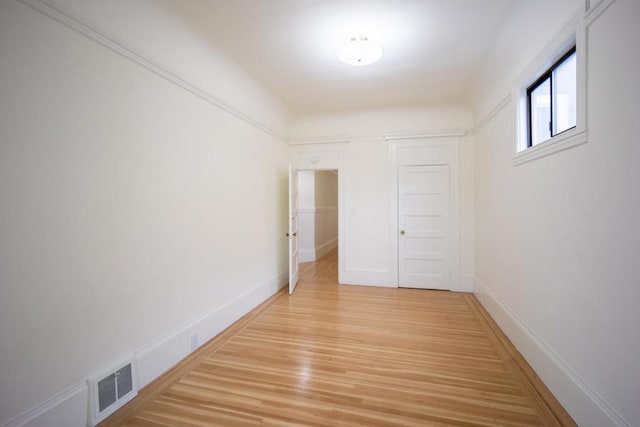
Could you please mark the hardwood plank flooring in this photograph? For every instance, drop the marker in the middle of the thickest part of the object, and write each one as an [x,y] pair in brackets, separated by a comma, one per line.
[334,355]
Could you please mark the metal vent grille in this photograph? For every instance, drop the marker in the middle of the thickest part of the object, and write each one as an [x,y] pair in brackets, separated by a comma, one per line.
[111,392]
[107,392]
[124,381]
[114,387]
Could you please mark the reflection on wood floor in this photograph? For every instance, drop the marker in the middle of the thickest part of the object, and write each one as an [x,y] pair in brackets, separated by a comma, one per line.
[335,355]
[322,272]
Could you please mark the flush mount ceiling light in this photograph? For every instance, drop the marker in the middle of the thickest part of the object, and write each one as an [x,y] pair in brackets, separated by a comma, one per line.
[359,51]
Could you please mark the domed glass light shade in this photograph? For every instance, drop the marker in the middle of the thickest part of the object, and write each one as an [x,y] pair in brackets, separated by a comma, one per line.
[359,51]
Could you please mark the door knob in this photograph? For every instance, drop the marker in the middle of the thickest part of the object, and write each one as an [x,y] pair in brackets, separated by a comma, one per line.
[402,232]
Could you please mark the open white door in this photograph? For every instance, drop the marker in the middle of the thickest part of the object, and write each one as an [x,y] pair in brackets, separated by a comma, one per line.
[293,228]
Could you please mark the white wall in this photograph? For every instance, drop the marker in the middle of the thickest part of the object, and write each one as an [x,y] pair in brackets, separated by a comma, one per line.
[557,239]
[157,29]
[306,216]
[127,214]
[326,193]
[364,163]
[326,212]
[306,189]
[317,214]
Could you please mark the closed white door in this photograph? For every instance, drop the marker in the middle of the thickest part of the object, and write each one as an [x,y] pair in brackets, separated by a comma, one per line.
[424,227]
[293,229]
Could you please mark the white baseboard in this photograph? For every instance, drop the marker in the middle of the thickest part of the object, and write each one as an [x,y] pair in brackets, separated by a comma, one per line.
[69,407]
[324,249]
[306,255]
[310,255]
[162,354]
[581,401]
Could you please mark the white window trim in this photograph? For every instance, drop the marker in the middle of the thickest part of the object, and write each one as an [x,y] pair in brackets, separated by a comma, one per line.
[573,34]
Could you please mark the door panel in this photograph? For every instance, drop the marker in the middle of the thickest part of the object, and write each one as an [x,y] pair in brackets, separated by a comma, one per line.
[425,221]
[427,244]
[293,229]
[424,258]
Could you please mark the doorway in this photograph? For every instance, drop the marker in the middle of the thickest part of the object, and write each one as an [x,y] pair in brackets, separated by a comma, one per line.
[425,212]
[316,222]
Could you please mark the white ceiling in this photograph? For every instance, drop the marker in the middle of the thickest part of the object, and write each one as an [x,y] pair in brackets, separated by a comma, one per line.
[432,48]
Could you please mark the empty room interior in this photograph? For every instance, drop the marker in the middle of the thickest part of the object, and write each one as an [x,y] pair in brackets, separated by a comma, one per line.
[319,212]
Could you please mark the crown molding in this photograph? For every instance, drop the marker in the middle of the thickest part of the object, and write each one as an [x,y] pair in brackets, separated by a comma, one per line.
[499,107]
[426,135]
[594,12]
[65,18]
[323,140]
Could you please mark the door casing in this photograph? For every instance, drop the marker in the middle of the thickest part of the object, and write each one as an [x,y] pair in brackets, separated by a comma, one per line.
[327,156]
[426,151]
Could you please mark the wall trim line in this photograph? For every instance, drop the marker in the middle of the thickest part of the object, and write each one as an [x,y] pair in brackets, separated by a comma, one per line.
[321,209]
[594,12]
[339,139]
[65,18]
[483,293]
[501,105]
[325,248]
[447,133]
[48,405]
[317,209]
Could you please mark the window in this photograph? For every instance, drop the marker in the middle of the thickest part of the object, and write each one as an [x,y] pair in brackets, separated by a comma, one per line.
[550,95]
[552,101]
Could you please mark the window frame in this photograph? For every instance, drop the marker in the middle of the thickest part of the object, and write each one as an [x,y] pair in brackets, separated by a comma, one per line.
[574,34]
[548,74]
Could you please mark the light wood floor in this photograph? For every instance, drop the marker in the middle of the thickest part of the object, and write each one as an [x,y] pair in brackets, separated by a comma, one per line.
[334,355]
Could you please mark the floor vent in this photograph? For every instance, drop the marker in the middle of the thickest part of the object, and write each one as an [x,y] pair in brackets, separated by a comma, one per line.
[110,391]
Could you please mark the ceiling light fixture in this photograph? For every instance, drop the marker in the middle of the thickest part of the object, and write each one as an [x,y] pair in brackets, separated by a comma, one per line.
[359,51]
